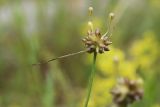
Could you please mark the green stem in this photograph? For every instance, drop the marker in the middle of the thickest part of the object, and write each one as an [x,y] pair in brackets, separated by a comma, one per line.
[91,80]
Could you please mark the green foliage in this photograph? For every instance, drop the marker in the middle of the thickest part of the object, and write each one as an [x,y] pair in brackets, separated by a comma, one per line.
[35,31]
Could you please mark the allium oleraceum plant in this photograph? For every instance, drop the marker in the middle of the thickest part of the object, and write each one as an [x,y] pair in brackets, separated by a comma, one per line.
[97,43]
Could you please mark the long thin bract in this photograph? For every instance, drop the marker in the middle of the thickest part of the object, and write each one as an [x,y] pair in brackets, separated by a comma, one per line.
[61,57]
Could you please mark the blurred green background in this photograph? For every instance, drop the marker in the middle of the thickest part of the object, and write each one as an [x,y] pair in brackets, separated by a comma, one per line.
[34,31]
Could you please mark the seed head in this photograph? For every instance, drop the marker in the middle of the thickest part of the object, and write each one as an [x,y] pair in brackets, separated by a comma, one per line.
[126,92]
[95,42]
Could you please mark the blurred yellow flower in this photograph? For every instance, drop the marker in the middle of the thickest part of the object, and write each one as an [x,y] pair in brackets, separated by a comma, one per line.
[101,92]
[155,3]
[145,51]
[106,63]
[156,105]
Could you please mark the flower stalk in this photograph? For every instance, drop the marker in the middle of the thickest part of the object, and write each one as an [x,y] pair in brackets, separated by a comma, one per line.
[92,75]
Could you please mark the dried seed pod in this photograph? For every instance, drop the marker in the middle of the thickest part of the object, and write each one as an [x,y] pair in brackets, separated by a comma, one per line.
[91,49]
[126,92]
[106,48]
[101,50]
[84,40]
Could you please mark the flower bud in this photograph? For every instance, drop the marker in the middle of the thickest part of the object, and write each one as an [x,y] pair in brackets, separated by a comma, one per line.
[90,11]
[90,24]
[111,15]
[97,32]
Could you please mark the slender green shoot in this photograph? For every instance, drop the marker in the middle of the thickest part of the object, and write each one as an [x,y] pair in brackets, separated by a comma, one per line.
[91,80]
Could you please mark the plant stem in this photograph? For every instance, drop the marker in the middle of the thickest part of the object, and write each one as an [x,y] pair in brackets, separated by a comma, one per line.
[91,80]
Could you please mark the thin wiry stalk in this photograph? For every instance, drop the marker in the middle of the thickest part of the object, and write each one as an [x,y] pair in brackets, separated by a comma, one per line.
[64,56]
[91,80]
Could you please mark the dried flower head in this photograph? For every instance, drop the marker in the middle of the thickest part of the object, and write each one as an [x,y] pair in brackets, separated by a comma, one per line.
[95,41]
[127,91]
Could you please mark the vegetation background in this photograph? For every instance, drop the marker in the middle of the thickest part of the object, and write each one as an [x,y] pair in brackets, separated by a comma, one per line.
[33,31]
